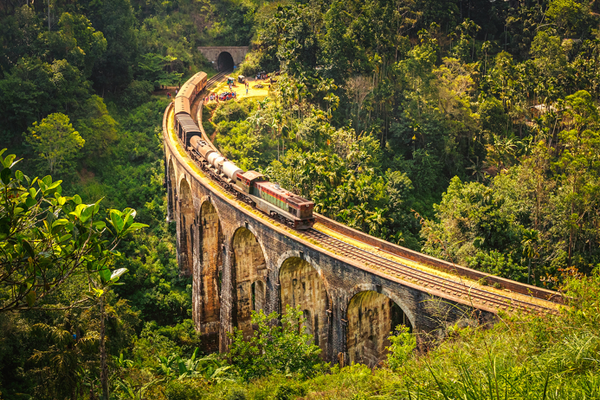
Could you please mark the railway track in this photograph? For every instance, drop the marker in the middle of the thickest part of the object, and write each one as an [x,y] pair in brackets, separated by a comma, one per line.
[473,295]
[217,78]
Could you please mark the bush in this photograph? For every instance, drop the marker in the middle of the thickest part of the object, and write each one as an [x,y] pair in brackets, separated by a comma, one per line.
[275,348]
[403,344]
[188,389]
[236,394]
[252,64]
[289,391]
[136,94]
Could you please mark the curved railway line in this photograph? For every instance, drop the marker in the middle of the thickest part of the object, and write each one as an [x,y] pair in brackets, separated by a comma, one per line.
[458,288]
[461,290]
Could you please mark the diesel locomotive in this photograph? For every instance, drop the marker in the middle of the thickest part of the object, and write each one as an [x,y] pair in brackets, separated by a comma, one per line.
[251,187]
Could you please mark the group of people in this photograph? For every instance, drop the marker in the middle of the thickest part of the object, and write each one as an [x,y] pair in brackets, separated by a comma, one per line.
[169,93]
[226,95]
[220,97]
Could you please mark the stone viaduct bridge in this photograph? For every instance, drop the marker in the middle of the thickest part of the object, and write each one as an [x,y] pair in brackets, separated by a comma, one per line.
[353,288]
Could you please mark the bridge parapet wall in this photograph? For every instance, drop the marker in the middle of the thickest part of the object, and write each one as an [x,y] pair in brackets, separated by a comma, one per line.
[513,286]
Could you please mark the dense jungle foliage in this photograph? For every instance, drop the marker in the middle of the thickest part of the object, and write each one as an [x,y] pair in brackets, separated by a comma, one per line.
[464,129]
[467,130]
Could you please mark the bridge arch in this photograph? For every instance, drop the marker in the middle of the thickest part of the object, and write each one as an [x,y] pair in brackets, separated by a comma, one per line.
[225,61]
[249,278]
[187,216]
[301,283]
[372,314]
[207,276]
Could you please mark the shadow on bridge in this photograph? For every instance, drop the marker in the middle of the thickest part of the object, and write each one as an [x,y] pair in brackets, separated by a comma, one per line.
[207,277]
[301,285]
[249,277]
[372,317]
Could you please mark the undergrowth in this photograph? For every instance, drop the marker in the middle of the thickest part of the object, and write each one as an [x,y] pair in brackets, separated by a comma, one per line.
[520,357]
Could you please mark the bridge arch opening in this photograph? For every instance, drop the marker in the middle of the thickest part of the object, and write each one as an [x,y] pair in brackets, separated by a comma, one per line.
[301,284]
[186,228]
[207,277]
[225,62]
[249,276]
[371,318]
[170,191]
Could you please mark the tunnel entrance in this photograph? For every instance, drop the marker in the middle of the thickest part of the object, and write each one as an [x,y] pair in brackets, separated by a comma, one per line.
[371,318]
[225,62]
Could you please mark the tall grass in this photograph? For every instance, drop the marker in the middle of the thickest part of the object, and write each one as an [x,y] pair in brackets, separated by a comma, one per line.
[520,357]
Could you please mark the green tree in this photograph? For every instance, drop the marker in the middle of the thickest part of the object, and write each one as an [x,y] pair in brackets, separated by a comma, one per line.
[113,71]
[55,140]
[157,69]
[550,57]
[572,17]
[77,42]
[403,343]
[59,366]
[46,239]
[98,129]
[285,348]
[20,34]
[32,89]
[480,226]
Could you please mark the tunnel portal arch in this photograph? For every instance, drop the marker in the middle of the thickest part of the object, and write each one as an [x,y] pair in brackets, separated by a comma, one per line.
[225,62]
[249,275]
[371,317]
[301,284]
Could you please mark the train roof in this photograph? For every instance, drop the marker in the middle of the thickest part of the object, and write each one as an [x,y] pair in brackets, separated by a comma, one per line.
[286,194]
[187,123]
[251,175]
[198,141]
[188,88]
[182,105]
[199,77]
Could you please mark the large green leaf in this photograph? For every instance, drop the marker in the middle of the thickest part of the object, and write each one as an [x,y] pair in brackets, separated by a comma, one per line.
[105,274]
[117,274]
[134,227]
[87,212]
[116,220]
[5,175]
[30,298]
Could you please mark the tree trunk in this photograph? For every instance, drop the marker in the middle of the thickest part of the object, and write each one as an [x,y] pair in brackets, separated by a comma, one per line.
[103,366]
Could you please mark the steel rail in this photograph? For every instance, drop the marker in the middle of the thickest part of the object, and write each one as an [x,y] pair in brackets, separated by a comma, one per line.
[461,290]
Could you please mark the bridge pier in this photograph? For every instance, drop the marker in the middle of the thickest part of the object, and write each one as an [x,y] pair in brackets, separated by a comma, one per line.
[226,300]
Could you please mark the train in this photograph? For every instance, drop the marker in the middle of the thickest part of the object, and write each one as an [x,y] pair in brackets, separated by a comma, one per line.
[251,187]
